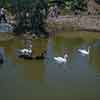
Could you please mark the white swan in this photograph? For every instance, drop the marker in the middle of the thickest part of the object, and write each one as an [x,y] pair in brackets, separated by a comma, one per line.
[84,52]
[61,59]
[26,50]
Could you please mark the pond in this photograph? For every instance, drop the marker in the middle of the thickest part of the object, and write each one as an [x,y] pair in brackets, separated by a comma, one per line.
[77,79]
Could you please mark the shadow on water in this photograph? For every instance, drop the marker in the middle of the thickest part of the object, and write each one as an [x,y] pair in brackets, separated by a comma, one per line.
[1,57]
[29,78]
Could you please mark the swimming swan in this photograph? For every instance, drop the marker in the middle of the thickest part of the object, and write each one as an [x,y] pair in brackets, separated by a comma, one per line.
[84,52]
[26,50]
[61,59]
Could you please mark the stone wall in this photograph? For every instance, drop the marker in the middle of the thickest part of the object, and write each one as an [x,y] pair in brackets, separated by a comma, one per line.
[71,22]
[93,7]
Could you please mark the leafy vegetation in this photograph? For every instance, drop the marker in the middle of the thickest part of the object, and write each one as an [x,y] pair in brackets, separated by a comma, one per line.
[34,22]
[80,5]
[5,3]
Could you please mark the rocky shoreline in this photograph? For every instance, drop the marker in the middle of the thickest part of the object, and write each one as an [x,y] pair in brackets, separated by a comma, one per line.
[65,24]
[74,23]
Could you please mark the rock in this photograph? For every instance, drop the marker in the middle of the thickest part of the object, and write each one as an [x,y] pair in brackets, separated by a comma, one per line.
[34,36]
[5,27]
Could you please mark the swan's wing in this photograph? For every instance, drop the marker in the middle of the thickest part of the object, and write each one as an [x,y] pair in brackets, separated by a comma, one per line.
[80,50]
[30,51]
[83,51]
[23,50]
[59,59]
[55,58]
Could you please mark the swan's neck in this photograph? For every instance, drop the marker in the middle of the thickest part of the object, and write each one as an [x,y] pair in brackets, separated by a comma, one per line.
[88,50]
[65,56]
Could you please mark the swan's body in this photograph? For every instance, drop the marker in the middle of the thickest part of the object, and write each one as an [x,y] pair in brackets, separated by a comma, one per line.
[26,51]
[61,59]
[84,52]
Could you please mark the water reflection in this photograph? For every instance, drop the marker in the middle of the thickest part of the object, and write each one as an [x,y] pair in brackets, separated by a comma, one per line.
[94,59]
[78,64]
[32,77]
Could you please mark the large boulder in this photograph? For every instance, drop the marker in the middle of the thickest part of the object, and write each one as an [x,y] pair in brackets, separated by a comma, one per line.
[5,27]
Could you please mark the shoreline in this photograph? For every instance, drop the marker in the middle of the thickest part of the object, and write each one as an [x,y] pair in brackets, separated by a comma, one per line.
[79,34]
[6,36]
[67,34]
[75,23]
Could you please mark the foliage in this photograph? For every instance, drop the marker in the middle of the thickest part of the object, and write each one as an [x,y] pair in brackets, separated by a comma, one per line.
[77,4]
[72,5]
[37,10]
[5,3]
[97,1]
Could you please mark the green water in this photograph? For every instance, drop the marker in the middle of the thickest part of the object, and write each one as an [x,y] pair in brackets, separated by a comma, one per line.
[78,79]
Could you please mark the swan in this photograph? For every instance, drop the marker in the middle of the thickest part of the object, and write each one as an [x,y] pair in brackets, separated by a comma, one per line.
[61,59]
[84,52]
[26,50]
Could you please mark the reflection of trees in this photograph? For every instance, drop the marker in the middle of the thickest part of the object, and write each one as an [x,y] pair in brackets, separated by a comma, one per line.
[60,43]
[15,43]
[8,51]
[5,43]
[39,45]
[10,47]
[95,58]
[34,21]
[28,69]
[32,69]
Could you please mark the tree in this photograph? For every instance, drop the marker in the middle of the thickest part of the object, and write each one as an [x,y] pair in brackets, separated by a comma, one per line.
[74,5]
[5,3]
[37,10]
